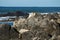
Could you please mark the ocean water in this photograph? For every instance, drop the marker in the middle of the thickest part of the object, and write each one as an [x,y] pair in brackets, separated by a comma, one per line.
[4,10]
[30,9]
[9,23]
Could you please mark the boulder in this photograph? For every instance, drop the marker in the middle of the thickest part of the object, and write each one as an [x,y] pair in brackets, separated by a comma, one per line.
[39,27]
[8,33]
[5,31]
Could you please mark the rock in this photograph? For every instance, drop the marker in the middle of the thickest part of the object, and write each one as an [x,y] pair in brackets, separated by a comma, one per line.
[58,20]
[39,27]
[26,36]
[31,15]
[14,34]
[8,33]
[58,37]
[23,30]
[5,32]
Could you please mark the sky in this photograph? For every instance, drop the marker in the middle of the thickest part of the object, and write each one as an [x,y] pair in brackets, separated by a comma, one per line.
[30,3]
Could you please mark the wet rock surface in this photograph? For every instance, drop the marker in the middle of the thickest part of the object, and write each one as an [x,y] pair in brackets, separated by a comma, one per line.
[35,27]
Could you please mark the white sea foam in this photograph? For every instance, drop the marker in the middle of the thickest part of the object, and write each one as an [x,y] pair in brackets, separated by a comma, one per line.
[4,18]
[7,17]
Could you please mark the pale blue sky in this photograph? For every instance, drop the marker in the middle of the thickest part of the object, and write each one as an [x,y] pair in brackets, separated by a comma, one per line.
[30,3]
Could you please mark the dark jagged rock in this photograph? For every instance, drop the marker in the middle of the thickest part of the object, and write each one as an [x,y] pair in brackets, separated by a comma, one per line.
[8,33]
[4,31]
[14,34]
[17,13]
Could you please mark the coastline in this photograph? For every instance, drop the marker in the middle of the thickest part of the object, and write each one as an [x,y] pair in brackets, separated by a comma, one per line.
[31,27]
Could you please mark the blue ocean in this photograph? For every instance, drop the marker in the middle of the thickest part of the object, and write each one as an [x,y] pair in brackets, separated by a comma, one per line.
[9,23]
[30,9]
[27,9]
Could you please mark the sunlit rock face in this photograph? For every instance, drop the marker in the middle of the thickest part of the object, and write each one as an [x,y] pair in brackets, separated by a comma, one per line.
[23,30]
[31,15]
[38,27]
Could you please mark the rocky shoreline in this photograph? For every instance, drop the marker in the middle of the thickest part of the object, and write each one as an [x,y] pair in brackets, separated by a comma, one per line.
[35,26]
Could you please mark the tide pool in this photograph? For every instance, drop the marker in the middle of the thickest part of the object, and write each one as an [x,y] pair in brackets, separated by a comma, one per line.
[10,23]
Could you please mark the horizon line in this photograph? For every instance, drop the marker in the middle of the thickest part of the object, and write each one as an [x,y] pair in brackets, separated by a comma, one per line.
[28,6]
